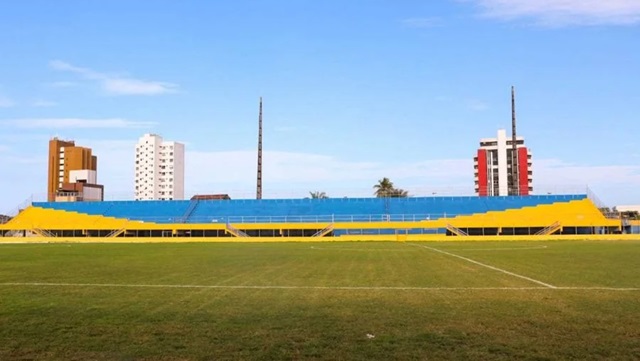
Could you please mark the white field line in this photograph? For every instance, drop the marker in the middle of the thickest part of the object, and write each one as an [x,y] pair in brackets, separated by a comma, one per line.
[599,288]
[486,265]
[358,249]
[502,249]
[337,288]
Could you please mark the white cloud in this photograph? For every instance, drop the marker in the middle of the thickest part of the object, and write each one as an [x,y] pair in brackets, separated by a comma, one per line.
[41,103]
[285,129]
[117,85]
[24,160]
[316,169]
[30,172]
[137,87]
[22,137]
[286,174]
[564,12]
[428,22]
[6,102]
[555,171]
[477,105]
[61,65]
[614,184]
[293,175]
[61,123]
[61,84]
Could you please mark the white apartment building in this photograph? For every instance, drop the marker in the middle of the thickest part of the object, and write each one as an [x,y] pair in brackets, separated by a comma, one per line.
[159,169]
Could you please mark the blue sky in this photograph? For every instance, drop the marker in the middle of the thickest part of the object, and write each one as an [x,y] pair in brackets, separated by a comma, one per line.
[354,91]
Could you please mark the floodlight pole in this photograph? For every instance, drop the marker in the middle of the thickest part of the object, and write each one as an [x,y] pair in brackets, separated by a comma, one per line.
[515,183]
[259,176]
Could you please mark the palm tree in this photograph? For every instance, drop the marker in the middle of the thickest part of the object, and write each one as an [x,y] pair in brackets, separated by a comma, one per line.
[384,188]
[318,195]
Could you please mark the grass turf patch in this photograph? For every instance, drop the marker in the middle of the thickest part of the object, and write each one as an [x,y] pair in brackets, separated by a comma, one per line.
[105,323]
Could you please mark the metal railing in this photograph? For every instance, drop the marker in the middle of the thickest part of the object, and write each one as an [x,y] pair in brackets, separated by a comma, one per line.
[14,212]
[339,193]
[337,218]
[457,231]
[549,229]
[323,231]
[236,232]
[604,209]
[298,219]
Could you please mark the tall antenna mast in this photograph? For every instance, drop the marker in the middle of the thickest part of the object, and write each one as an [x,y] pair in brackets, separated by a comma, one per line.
[259,183]
[515,183]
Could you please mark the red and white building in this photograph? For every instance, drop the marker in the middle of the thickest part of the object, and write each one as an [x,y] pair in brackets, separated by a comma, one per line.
[492,167]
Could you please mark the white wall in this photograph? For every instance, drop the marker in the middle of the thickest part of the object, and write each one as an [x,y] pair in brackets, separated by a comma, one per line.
[86,175]
[630,208]
[178,171]
[91,193]
[503,184]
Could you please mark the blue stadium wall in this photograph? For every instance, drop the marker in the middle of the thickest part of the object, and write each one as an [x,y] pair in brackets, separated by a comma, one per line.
[305,210]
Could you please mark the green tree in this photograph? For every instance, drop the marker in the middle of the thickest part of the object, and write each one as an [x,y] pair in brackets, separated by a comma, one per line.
[399,193]
[318,195]
[385,188]
[633,215]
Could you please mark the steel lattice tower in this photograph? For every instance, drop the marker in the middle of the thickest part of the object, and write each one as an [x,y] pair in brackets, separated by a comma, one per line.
[515,182]
[259,176]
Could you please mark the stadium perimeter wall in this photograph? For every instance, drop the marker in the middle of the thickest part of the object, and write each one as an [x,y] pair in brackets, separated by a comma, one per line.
[381,238]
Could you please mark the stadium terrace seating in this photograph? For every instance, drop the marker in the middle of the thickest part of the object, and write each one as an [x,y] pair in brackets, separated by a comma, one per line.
[151,211]
[305,210]
[47,218]
[576,212]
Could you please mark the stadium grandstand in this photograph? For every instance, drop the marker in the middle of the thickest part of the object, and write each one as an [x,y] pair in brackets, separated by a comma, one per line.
[411,218]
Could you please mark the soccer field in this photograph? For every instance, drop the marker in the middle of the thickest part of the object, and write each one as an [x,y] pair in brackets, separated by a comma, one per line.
[351,300]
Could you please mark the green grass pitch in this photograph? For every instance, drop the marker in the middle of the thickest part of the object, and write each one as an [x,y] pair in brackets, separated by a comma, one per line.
[335,301]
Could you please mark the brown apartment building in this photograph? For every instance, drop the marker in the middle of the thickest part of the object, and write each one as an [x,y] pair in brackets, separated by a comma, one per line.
[65,157]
